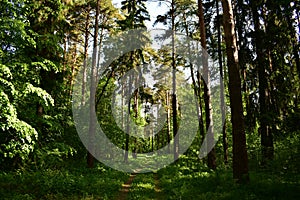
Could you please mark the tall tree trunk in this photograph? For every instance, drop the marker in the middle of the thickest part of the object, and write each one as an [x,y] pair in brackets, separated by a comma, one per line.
[99,53]
[73,68]
[93,117]
[128,115]
[197,90]
[298,38]
[243,55]
[85,57]
[174,97]
[136,109]
[157,134]
[207,92]
[168,120]
[262,62]
[65,54]
[152,137]
[295,43]
[222,96]
[200,101]
[240,157]
[122,107]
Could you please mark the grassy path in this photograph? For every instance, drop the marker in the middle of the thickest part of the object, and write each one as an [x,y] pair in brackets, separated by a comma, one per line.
[126,187]
[141,186]
[158,191]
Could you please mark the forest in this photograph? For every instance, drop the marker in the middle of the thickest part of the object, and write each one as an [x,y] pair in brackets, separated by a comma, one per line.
[149,99]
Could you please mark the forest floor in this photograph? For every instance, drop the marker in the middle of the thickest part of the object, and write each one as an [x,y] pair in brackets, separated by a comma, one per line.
[188,178]
[145,186]
[126,187]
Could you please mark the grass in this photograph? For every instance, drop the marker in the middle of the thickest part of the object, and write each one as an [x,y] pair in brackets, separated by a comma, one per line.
[198,182]
[143,187]
[188,178]
[74,182]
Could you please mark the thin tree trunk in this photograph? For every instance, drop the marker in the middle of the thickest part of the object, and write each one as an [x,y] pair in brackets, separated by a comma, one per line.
[265,131]
[128,116]
[152,137]
[240,157]
[198,103]
[298,38]
[174,97]
[195,87]
[73,68]
[104,87]
[168,120]
[157,134]
[199,81]
[130,82]
[136,108]
[122,108]
[222,96]
[65,55]
[295,44]
[207,92]
[99,52]
[93,117]
[86,45]
[243,55]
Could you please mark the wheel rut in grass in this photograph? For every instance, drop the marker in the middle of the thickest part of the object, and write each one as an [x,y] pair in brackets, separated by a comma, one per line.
[158,192]
[126,187]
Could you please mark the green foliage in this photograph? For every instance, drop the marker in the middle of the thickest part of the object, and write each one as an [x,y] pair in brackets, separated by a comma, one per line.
[77,182]
[40,54]
[136,14]
[20,90]
[17,137]
[46,99]
[143,187]
[189,179]
[52,155]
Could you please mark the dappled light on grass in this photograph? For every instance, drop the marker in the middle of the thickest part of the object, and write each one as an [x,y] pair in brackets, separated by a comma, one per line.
[187,178]
[74,183]
[143,187]
[178,181]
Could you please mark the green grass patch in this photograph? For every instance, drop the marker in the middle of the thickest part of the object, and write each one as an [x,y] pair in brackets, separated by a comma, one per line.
[76,182]
[142,187]
[198,182]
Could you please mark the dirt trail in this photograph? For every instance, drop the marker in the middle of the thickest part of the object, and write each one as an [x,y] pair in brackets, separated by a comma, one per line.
[123,193]
[126,187]
[158,192]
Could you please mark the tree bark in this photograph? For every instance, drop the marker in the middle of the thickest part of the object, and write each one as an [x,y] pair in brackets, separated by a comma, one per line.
[197,89]
[211,162]
[222,96]
[174,97]
[93,117]
[128,115]
[86,44]
[136,111]
[262,63]
[240,157]
[168,120]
